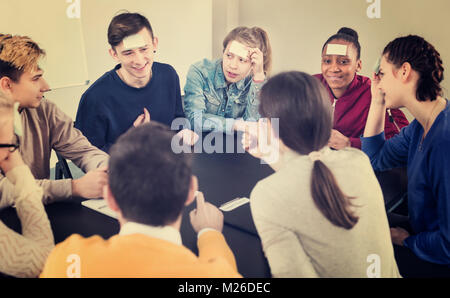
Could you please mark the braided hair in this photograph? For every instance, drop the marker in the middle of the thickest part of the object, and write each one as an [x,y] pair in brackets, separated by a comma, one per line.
[423,58]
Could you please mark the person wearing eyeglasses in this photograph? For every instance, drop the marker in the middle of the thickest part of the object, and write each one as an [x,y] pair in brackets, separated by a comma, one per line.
[13,146]
[21,255]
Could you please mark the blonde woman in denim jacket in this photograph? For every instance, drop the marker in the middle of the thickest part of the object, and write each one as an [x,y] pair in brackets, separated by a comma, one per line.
[222,95]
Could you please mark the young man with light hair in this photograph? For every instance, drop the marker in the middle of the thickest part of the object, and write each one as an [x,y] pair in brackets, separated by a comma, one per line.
[45,126]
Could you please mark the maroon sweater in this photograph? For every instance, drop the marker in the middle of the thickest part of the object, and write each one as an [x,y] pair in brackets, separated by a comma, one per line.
[352,108]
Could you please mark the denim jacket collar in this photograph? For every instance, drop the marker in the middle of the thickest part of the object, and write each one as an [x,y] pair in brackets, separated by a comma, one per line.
[219,77]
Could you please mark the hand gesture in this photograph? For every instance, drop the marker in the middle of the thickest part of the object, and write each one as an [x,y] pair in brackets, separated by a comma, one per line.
[338,140]
[143,118]
[261,143]
[257,61]
[188,136]
[246,126]
[90,186]
[398,235]
[206,215]
[377,94]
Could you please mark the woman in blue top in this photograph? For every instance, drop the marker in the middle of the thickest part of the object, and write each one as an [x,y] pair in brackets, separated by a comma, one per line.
[409,76]
[219,92]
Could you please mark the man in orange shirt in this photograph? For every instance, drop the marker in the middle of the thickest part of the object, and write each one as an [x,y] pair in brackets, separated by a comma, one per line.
[149,186]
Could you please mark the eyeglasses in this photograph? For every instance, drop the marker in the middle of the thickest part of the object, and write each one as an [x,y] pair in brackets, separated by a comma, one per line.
[12,147]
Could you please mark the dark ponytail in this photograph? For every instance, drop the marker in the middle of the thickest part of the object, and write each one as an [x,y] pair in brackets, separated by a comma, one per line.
[303,108]
[329,198]
[349,35]
[423,58]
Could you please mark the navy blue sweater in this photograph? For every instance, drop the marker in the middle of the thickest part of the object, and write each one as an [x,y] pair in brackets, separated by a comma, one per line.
[109,107]
[428,163]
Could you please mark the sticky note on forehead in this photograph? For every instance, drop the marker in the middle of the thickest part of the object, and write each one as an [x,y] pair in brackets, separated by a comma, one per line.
[336,49]
[239,49]
[133,42]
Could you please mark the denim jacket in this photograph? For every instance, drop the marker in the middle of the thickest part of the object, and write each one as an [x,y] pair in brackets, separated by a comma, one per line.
[212,105]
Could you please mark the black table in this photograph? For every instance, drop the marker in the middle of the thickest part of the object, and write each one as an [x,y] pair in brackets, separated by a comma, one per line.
[225,176]
[394,184]
[222,177]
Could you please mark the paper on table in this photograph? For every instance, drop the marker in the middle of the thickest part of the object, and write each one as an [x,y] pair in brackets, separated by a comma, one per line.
[99,206]
[233,204]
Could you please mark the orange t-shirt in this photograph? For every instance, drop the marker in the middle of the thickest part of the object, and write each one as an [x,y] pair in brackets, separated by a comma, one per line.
[138,255]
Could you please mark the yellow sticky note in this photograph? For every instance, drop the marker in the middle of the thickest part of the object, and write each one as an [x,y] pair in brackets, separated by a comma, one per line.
[133,42]
[239,49]
[336,49]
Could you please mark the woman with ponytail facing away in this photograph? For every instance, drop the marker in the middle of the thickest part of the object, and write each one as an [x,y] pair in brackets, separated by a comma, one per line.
[321,214]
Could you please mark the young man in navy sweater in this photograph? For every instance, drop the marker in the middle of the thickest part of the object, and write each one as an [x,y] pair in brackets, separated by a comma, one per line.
[136,88]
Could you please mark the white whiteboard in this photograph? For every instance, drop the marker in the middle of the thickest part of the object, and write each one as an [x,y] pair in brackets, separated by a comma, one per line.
[47,22]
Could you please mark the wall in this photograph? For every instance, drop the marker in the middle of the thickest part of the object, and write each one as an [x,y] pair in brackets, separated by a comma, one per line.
[59,35]
[225,19]
[298,28]
[190,30]
[183,27]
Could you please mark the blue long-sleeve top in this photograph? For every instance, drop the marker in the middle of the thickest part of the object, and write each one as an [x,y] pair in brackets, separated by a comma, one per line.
[109,107]
[428,168]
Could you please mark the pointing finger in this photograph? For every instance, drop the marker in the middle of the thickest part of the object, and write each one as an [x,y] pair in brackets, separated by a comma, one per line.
[200,200]
[146,114]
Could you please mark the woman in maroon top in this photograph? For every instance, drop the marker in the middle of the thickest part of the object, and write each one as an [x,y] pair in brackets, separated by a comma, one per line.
[349,92]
